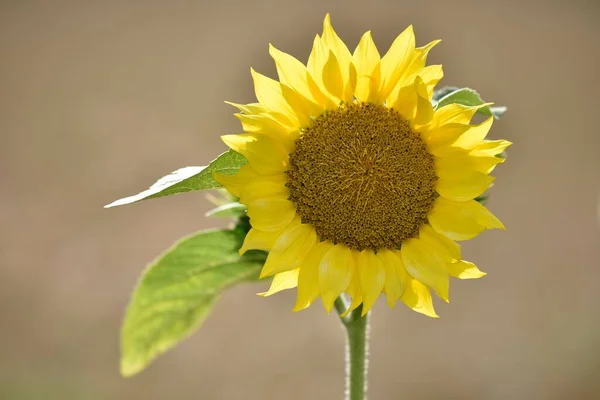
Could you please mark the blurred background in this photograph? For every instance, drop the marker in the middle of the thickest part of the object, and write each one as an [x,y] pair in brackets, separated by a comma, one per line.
[98,99]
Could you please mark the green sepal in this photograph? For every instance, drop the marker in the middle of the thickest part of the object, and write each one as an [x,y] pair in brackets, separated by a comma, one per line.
[178,291]
[189,179]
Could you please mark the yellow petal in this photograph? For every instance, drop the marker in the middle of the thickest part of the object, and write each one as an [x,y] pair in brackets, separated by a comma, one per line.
[264,186]
[317,59]
[350,86]
[268,92]
[339,48]
[421,54]
[282,281]
[365,58]
[308,277]
[419,60]
[355,292]
[332,77]
[236,183]
[439,139]
[264,154]
[291,72]
[290,249]
[258,240]
[395,62]
[425,264]
[315,66]
[462,185]
[412,103]
[459,160]
[461,221]
[271,214]
[464,270]
[416,67]
[475,135]
[490,147]
[394,286]
[267,125]
[316,63]
[418,298]
[445,246]
[374,83]
[454,113]
[424,107]
[347,70]
[252,108]
[303,108]
[335,273]
[372,277]
[431,75]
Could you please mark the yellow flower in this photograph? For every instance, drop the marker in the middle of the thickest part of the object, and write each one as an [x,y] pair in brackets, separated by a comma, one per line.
[354,183]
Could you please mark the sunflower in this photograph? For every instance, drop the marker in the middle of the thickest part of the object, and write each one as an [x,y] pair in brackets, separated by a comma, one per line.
[354,183]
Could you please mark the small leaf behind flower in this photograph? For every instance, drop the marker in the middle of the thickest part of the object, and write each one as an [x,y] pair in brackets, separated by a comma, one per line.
[442,92]
[177,292]
[229,210]
[467,97]
[188,179]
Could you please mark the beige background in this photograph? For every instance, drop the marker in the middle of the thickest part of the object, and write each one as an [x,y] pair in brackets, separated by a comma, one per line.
[98,99]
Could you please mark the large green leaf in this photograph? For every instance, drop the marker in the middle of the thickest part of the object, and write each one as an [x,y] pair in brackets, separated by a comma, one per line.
[188,179]
[467,97]
[178,291]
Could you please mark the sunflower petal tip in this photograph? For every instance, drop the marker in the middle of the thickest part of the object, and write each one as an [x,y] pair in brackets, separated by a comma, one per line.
[328,305]
[226,139]
[299,307]
[264,273]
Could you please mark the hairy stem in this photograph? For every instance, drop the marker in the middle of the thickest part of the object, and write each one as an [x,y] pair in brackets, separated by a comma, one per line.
[357,331]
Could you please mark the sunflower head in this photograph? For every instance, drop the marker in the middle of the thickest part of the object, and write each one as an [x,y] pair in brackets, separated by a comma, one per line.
[354,183]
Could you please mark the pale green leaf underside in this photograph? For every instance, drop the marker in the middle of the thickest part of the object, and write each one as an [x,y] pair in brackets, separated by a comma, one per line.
[467,97]
[188,179]
[177,291]
[229,210]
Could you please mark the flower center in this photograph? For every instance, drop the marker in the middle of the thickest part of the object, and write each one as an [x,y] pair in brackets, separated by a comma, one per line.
[362,177]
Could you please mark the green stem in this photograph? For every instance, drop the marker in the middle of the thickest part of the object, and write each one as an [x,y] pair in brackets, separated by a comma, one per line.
[357,330]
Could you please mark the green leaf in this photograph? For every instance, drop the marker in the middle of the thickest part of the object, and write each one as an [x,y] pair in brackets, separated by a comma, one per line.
[442,92]
[188,179]
[229,210]
[467,97]
[177,292]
